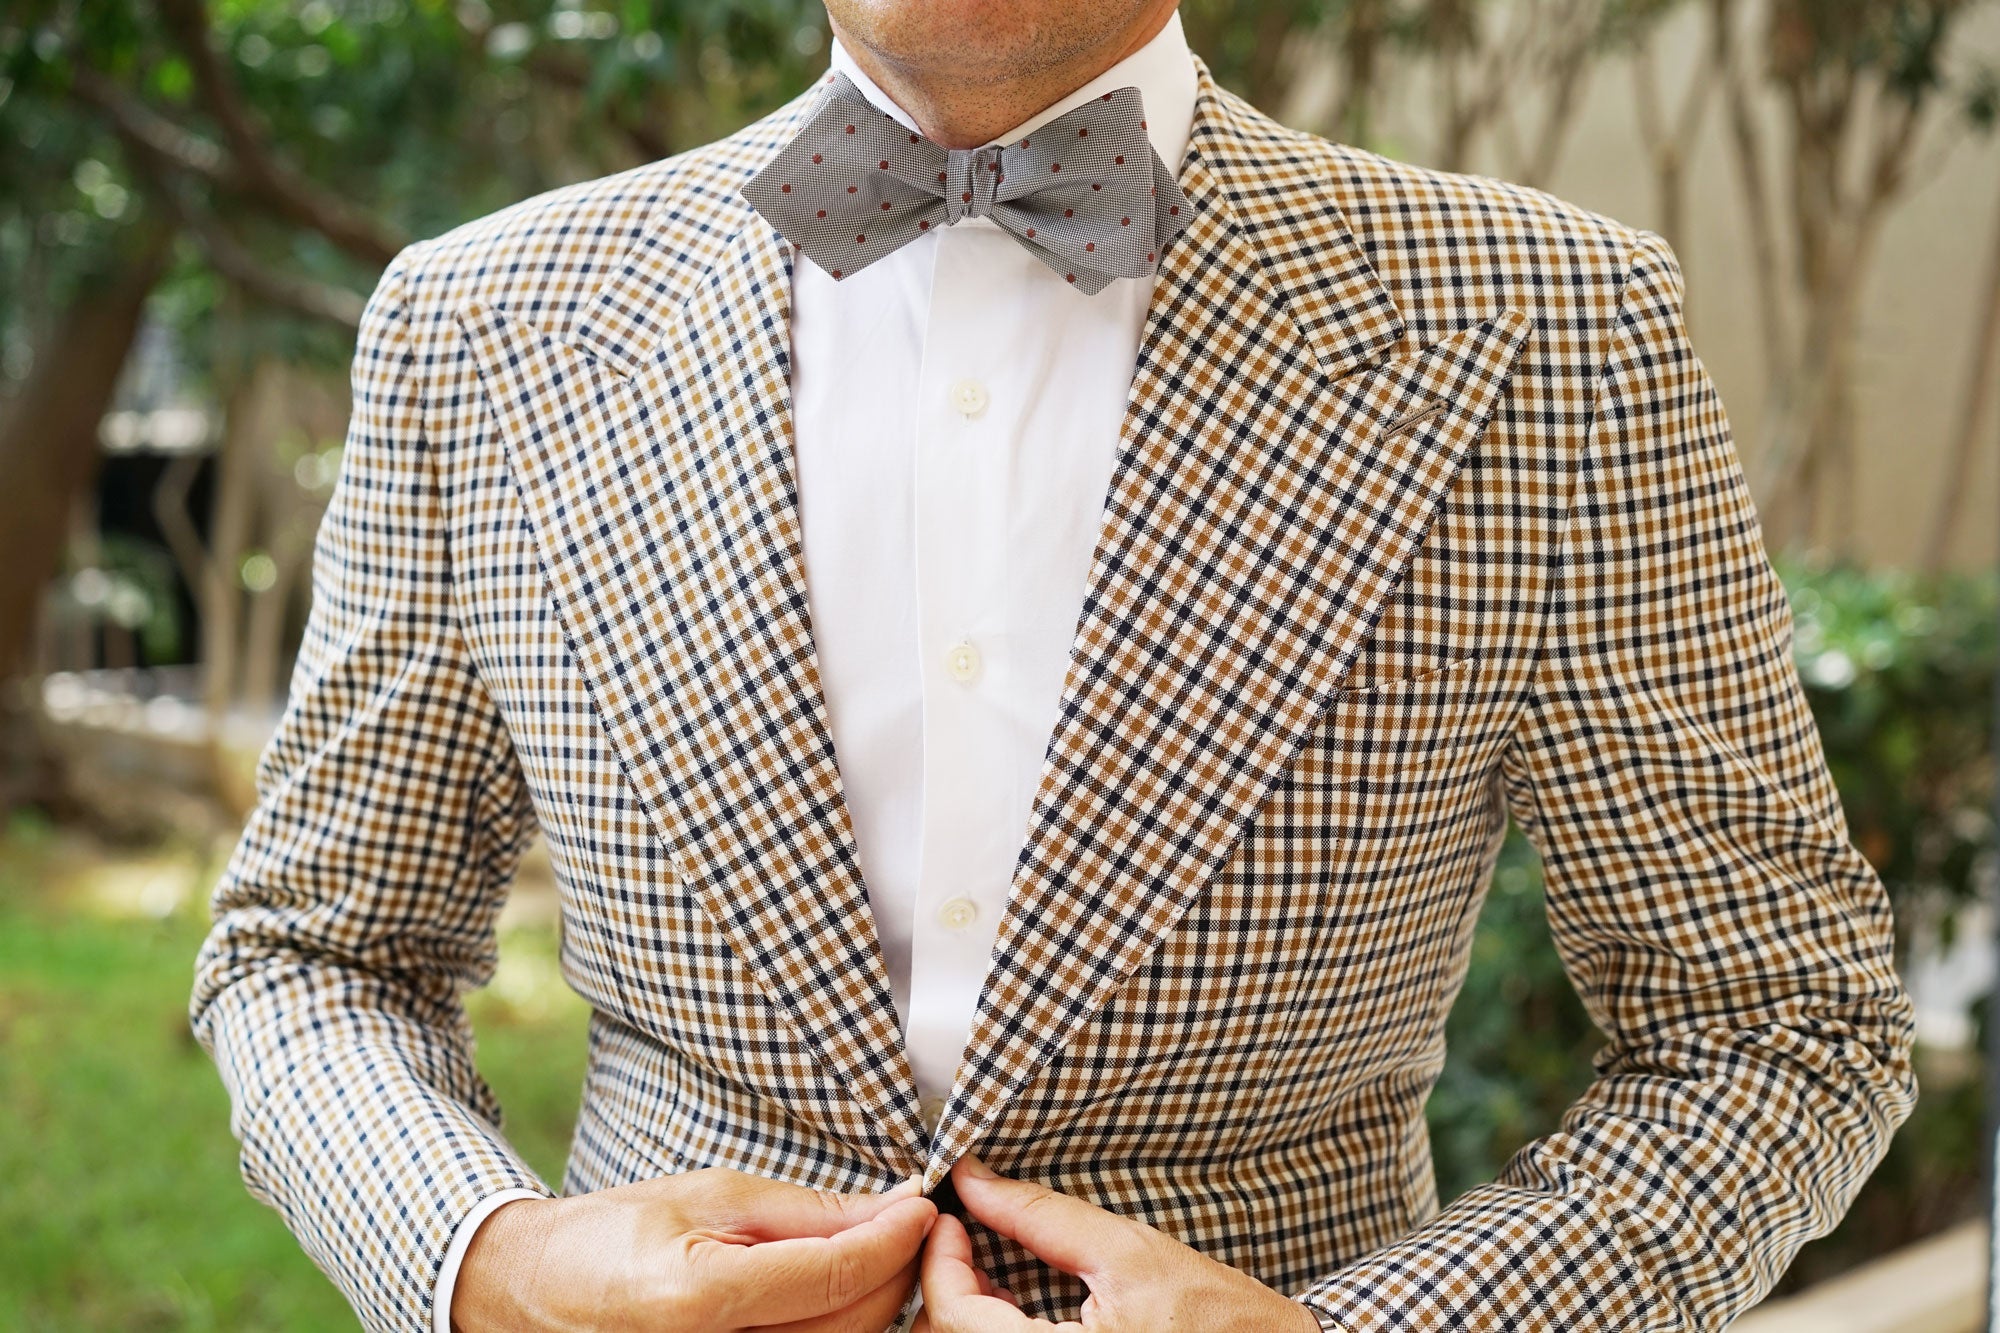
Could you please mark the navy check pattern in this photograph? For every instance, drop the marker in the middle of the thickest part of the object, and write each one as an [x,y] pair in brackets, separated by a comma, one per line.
[1425,513]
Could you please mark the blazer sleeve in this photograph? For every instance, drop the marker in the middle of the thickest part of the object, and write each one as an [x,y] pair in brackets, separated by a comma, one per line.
[1725,935]
[361,899]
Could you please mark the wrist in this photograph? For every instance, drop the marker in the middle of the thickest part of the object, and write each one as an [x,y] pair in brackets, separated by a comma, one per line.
[499,1266]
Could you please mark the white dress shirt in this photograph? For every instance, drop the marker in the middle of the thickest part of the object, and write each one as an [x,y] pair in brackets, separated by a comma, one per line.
[956,409]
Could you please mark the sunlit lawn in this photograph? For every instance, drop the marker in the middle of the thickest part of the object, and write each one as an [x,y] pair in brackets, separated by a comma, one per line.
[120,1203]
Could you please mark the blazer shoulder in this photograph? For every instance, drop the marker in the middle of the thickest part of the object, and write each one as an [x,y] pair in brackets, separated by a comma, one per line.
[540,257]
[1468,196]
[1455,247]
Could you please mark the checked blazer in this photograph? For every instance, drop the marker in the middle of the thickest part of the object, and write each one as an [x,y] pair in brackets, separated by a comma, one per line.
[1425,514]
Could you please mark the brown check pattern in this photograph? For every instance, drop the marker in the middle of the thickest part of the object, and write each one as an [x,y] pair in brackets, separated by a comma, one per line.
[1425,514]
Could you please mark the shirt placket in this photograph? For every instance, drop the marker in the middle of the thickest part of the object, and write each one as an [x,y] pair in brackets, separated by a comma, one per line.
[963,494]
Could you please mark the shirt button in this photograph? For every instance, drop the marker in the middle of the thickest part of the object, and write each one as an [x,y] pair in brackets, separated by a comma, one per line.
[969,397]
[958,913]
[931,1108]
[962,661]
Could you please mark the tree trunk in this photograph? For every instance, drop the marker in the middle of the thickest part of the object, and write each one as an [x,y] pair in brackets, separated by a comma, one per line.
[246,431]
[1971,411]
[48,443]
[1361,49]
[1671,135]
[1747,141]
[1567,75]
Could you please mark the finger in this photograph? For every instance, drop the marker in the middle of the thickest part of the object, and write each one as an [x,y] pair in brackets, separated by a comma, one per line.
[949,1271]
[800,1277]
[988,1287]
[741,1204]
[1057,1228]
[874,1311]
[953,1301]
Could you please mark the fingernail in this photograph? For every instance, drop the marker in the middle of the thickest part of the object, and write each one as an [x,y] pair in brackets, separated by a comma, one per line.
[975,1167]
[914,1185]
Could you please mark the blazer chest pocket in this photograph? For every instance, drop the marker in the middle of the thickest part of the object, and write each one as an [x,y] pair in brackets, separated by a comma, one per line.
[1389,732]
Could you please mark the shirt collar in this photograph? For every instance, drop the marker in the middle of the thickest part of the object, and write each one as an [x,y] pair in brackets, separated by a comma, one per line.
[1160,70]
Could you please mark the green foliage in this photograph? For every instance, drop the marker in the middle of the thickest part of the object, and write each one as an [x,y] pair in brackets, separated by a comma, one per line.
[65,199]
[1903,39]
[1900,670]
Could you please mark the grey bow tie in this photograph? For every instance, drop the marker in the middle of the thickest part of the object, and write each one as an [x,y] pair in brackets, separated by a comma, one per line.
[1084,193]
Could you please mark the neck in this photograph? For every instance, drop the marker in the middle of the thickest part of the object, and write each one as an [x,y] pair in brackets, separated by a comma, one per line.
[957,111]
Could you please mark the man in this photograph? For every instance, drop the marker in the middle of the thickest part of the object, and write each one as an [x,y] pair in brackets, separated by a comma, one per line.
[1195,560]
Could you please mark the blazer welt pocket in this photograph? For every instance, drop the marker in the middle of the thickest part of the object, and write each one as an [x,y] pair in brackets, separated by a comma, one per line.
[1385,731]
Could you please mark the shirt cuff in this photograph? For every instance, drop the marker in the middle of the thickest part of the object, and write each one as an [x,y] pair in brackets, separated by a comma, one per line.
[461,1240]
[1327,1320]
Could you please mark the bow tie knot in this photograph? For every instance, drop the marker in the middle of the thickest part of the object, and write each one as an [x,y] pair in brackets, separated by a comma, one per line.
[972,181]
[1085,193]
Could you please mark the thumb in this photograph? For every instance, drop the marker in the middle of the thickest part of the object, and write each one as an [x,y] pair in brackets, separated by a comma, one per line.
[1057,1228]
[807,1276]
[759,1208]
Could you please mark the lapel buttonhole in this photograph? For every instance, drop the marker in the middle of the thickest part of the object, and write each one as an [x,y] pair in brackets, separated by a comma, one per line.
[1409,421]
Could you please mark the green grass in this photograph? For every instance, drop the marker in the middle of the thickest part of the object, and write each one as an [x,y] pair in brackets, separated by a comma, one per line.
[121,1206]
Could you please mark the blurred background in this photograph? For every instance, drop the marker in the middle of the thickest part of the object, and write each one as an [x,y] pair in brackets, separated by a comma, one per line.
[196,197]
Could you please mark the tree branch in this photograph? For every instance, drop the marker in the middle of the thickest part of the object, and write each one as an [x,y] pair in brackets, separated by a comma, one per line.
[644,139]
[164,140]
[316,300]
[642,135]
[230,258]
[1746,138]
[285,191]
[1972,406]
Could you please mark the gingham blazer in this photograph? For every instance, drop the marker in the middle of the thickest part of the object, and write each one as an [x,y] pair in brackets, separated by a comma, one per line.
[1425,513]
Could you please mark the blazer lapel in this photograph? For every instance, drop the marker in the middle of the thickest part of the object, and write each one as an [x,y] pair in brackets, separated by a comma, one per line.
[653,453]
[1267,496]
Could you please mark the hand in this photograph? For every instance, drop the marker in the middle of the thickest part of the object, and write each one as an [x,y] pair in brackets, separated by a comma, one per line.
[706,1251]
[1141,1280]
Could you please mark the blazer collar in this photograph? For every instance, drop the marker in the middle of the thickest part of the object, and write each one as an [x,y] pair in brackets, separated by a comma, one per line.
[1271,484]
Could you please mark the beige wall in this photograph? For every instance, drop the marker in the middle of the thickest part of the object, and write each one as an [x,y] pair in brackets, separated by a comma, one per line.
[1918,312]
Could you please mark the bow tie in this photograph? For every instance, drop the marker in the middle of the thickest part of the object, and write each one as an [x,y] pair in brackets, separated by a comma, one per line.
[1084,193]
